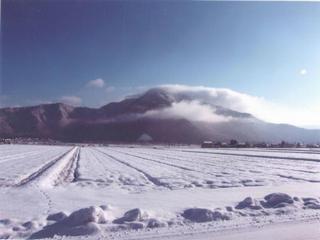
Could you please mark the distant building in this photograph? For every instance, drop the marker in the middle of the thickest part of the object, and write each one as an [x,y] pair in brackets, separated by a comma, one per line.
[207,144]
[300,145]
[261,145]
[145,138]
[5,141]
[233,143]
[243,145]
[284,144]
[313,146]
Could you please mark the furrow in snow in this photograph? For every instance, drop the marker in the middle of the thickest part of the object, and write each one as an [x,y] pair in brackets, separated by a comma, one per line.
[152,179]
[48,174]
[76,172]
[160,162]
[259,156]
[68,173]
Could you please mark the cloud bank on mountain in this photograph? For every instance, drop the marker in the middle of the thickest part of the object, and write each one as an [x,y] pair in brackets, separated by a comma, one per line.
[201,102]
[193,110]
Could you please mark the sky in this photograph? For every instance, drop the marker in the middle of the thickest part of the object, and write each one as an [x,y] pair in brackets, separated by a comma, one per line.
[94,52]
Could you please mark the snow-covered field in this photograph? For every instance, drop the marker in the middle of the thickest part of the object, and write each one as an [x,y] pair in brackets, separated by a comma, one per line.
[158,192]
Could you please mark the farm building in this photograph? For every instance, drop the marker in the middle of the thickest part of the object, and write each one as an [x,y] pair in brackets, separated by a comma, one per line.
[207,144]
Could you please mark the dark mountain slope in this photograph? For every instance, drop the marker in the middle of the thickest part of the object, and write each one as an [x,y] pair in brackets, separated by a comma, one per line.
[126,121]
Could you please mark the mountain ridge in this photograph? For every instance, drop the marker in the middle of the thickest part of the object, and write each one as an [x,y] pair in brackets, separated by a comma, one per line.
[155,112]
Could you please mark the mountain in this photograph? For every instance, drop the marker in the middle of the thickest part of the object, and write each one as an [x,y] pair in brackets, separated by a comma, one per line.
[164,115]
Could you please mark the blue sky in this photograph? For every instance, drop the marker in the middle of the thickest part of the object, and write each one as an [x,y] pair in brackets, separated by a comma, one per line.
[51,50]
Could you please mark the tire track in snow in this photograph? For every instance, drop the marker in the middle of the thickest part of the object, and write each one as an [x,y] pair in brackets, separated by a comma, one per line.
[276,161]
[299,178]
[108,172]
[193,172]
[263,165]
[19,157]
[204,161]
[163,163]
[259,165]
[259,156]
[312,152]
[268,150]
[272,165]
[256,165]
[150,178]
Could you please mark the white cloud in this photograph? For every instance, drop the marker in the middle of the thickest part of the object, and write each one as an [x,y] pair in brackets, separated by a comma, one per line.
[193,110]
[216,96]
[257,106]
[72,100]
[97,83]
[303,72]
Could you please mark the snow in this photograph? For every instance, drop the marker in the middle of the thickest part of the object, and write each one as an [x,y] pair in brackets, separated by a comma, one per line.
[17,166]
[129,216]
[57,216]
[150,192]
[203,215]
